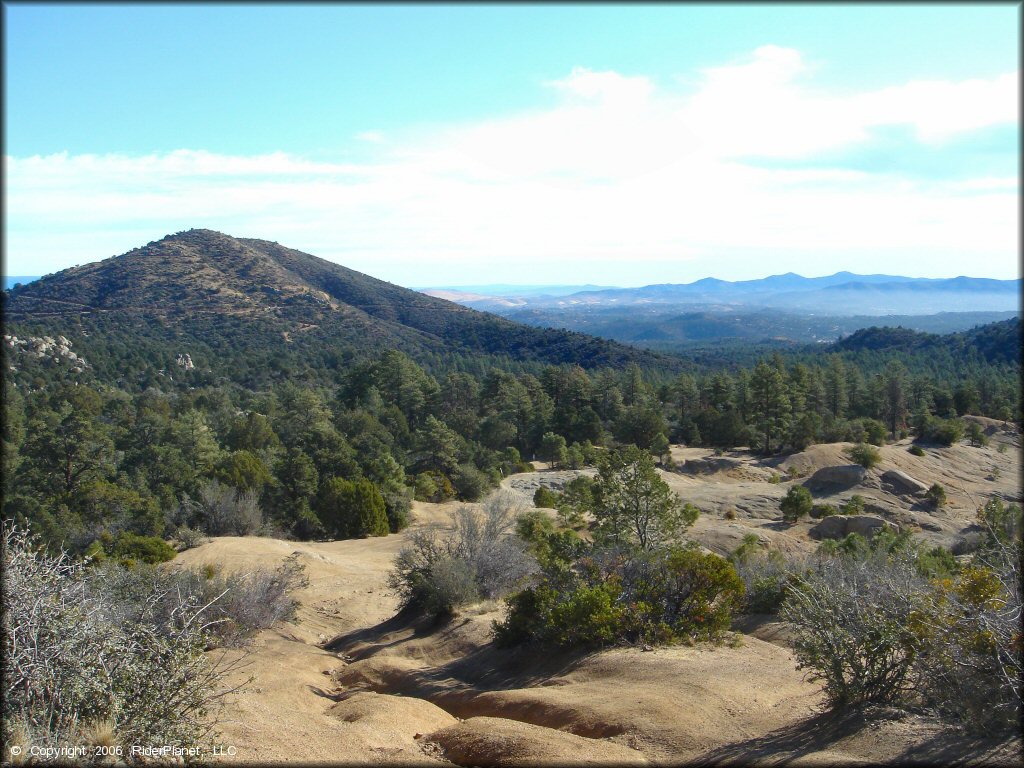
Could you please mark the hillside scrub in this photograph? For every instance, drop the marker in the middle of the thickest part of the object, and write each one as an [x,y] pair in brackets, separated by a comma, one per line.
[80,650]
[883,621]
[478,556]
[796,503]
[608,595]
[864,454]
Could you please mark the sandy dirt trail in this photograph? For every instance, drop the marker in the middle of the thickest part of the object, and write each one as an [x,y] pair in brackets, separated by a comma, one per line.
[283,713]
[349,681]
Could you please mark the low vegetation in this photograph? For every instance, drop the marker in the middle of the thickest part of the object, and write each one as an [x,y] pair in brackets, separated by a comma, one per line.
[99,648]
[864,454]
[796,503]
[477,557]
[607,594]
[885,622]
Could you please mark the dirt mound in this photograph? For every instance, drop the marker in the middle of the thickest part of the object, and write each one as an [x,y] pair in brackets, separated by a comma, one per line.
[882,737]
[813,458]
[490,741]
[392,714]
[674,703]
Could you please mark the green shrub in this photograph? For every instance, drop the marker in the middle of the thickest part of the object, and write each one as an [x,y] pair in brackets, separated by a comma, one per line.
[128,547]
[545,498]
[854,505]
[469,482]
[976,435]
[775,478]
[533,526]
[352,509]
[529,613]
[936,495]
[612,595]
[946,431]
[796,503]
[916,450]
[397,507]
[433,486]
[588,616]
[575,501]
[874,431]
[865,455]
[819,511]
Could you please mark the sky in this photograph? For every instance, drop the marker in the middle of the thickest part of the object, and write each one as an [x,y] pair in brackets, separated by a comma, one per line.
[434,145]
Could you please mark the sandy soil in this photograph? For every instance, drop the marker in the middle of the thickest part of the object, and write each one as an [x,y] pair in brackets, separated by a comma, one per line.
[349,681]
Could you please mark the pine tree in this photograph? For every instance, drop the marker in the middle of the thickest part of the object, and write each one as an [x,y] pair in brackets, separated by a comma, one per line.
[770,404]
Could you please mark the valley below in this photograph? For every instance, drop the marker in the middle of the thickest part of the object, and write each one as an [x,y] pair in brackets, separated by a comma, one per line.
[354,680]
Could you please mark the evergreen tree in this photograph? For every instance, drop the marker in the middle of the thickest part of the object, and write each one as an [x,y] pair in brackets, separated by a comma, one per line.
[633,505]
[771,405]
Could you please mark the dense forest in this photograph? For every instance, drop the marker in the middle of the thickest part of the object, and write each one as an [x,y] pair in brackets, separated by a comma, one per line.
[127,439]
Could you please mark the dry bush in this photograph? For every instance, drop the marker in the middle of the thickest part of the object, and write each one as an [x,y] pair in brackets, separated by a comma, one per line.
[767,575]
[80,650]
[477,556]
[248,601]
[236,604]
[972,664]
[906,626]
[224,511]
[850,621]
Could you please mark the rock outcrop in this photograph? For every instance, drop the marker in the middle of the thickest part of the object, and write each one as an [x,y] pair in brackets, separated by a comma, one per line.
[841,476]
[902,483]
[58,350]
[710,465]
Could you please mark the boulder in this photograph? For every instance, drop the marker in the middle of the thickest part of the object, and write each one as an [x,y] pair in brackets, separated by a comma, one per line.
[842,475]
[901,482]
[711,464]
[867,525]
[840,526]
[833,527]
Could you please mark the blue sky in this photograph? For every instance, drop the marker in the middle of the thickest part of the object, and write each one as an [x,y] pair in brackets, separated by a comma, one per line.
[479,144]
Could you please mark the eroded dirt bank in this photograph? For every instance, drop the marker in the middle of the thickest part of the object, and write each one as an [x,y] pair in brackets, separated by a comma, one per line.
[352,682]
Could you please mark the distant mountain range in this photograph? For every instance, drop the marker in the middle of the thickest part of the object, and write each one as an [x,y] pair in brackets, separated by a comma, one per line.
[841,294]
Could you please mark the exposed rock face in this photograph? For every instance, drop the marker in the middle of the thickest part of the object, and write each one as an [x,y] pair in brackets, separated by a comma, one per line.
[901,482]
[839,526]
[844,476]
[710,464]
[185,361]
[46,347]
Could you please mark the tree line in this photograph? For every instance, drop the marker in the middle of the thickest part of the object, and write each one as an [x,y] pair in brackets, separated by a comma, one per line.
[92,460]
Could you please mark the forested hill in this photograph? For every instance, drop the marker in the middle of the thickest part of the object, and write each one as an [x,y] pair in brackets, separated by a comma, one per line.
[253,305]
[993,343]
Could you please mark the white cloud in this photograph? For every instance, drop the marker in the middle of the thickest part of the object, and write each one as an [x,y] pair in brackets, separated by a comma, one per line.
[619,174]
